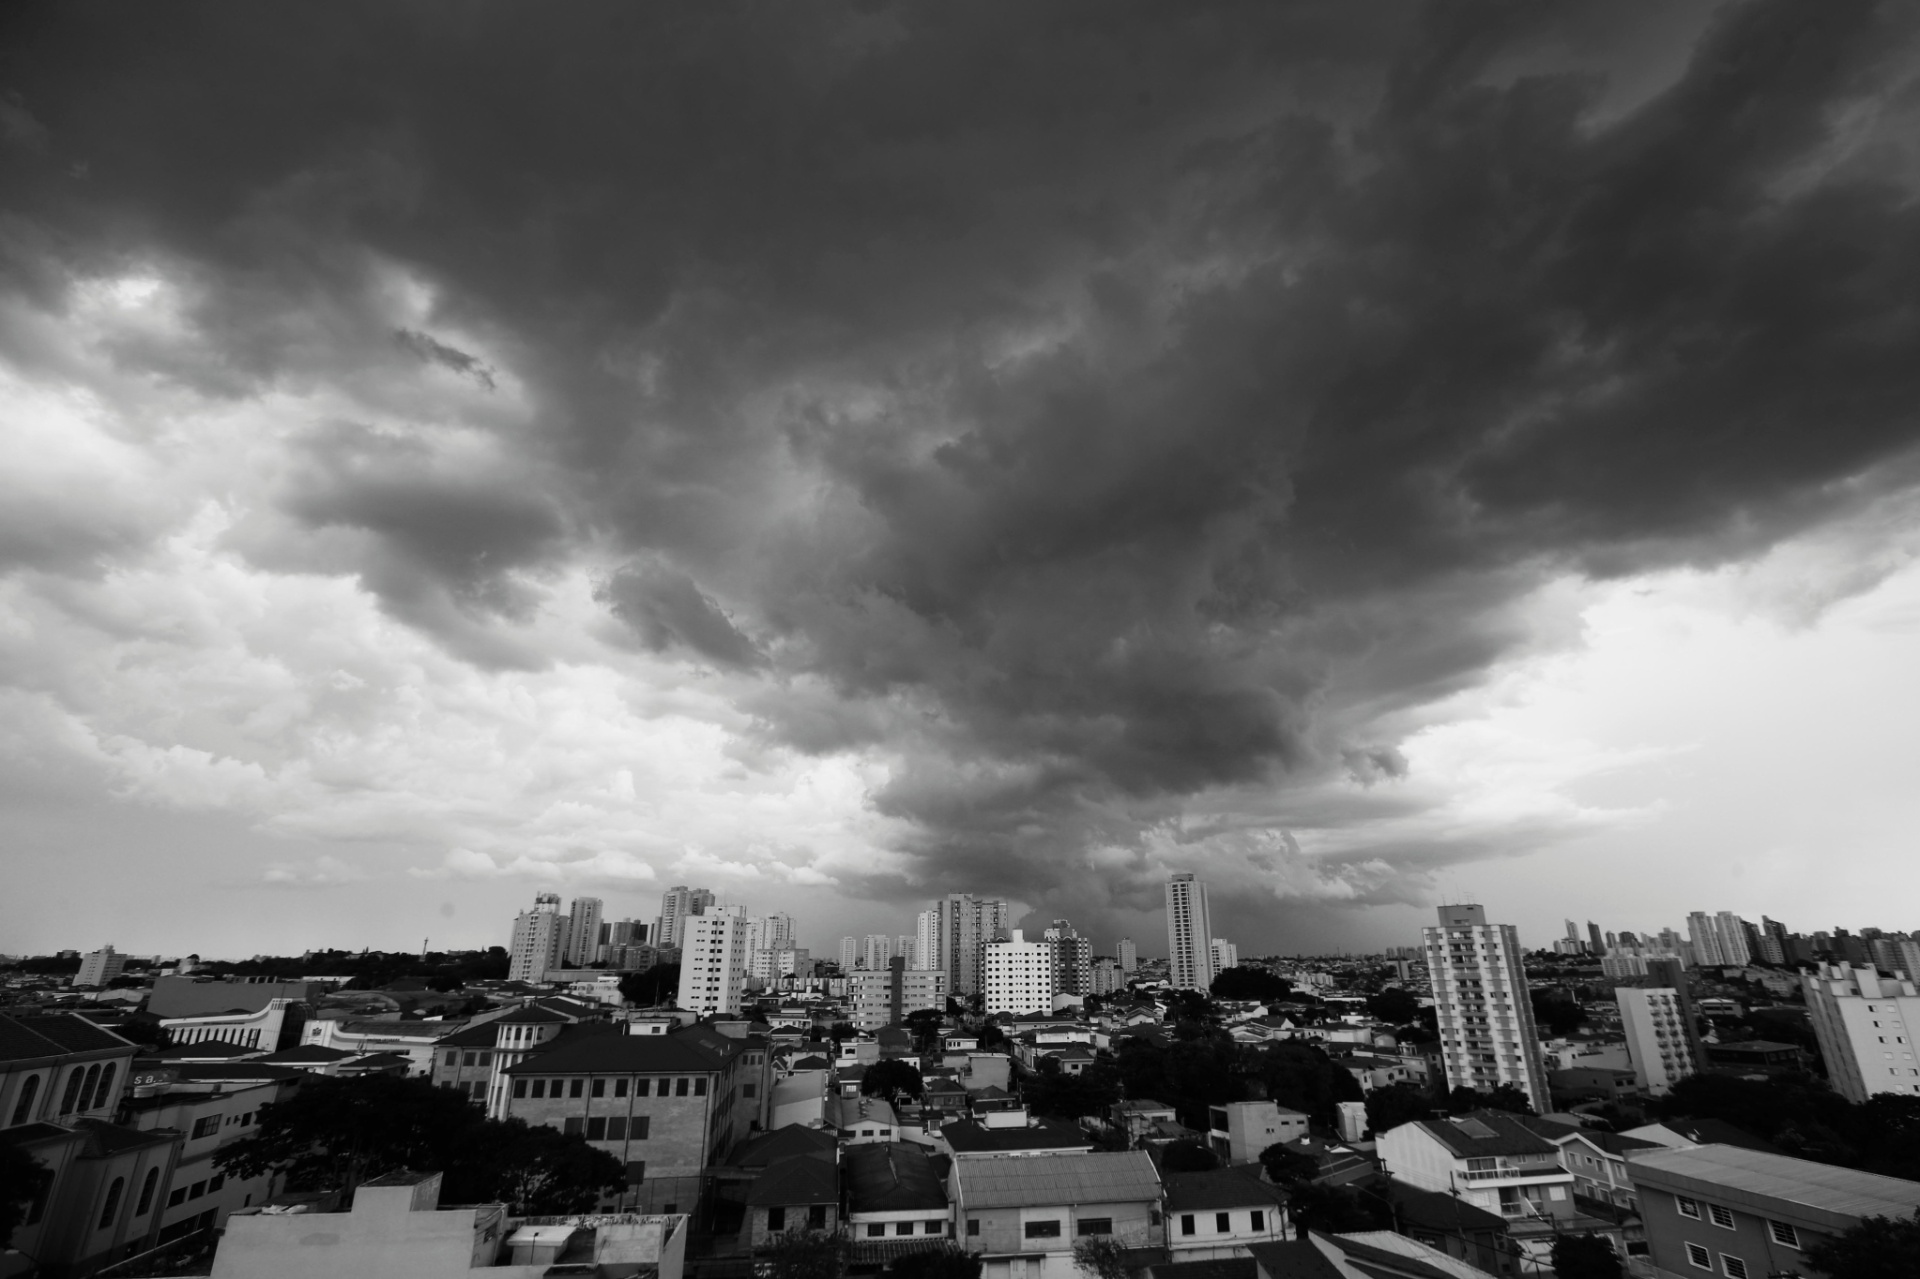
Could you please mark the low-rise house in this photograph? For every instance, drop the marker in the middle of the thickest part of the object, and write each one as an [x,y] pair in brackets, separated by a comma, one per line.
[1489,1158]
[1335,1163]
[398,1230]
[786,1203]
[1136,1116]
[1598,1162]
[1239,1130]
[1457,1228]
[1023,1215]
[798,1192]
[983,1137]
[1744,1214]
[1220,1213]
[896,1201]
[1682,1134]
[862,1119]
[1372,1072]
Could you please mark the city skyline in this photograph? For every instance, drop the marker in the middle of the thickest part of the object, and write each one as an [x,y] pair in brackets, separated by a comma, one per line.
[1370,458]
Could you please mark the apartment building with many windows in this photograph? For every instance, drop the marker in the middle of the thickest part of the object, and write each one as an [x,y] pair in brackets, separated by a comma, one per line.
[1487,1032]
[1865,1024]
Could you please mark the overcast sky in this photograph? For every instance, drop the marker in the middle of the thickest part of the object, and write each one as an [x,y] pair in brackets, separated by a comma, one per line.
[839,454]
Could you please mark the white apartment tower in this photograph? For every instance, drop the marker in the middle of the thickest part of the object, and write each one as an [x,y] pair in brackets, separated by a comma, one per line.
[1658,1037]
[1128,955]
[1072,959]
[1718,940]
[903,947]
[926,940]
[967,924]
[713,961]
[1225,955]
[100,967]
[677,905]
[1189,934]
[1018,975]
[1487,1035]
[583,931]
[875,952]
[849,954]
[1865,1024]
[539,940]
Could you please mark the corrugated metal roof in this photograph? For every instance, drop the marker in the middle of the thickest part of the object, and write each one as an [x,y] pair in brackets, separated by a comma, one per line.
[1105,1177]
[1800,1181]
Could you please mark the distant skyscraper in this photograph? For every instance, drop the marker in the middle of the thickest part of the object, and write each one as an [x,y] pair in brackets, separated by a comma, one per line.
[1128,956]
[926,941]
[1106,976]
[849,954]
[1072,959]
[714,961]
[100,967]
[967,924]
[1599,947]
[1225,955]
[677,905]
[875,951]
[1018,975]
[1573,931]
[903,949]
[1189,930]
[539,940]
[583,931]
[1487,1034]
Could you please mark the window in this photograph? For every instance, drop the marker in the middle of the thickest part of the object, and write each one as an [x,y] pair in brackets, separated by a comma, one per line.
[747,1090]
[28,1091]
[936,1227]
[540,1088]
[467,1059]
[219,1180]
[207,1126]
[486,1058]
[816,1216]
[876,1229]
[620,1087]
[1095,1226]
[599,1088]
[680,1087]
[700,1086]
[1783,1233]
[177,1197]
[903,1228]
[1687,1207]
[573,1124]
[636,1171]
[1186,1223]
[617,1128]
[665,1088]
[1733,1267]
[1259,1219]
[973,1225]
[1043,1230]
[1223,1222]
[111,1209]
[577,1088]
[199,1188]
[246,1120]
[1722,1217]
[640,1125]
[519,1087]
[776,1218]
[1698,1256]
[147,1187]
[596,1129]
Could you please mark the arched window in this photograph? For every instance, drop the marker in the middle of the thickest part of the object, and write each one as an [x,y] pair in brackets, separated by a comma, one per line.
[104,1093]
[72,1094]
[86,1087]
[147,1188]
[29,1091]
[111,1208]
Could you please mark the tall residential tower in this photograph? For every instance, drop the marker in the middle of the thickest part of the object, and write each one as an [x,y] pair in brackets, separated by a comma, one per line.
[1487,1035]
[1189,934]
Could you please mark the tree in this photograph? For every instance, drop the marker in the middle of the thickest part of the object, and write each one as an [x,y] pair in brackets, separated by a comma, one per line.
[1249,983]
[657,985]
[1504,1097]
[1102,1257]
[891,1079]
[806,1254]
[1560,1016]
[1877,1248]
[1394,1005]
[23,1179]
[537,1170]
[1286,1166]
[1302,1077]
[1396,1104]
[991,1036]
[1335,1210]
[1585,1257]
[1054,1093]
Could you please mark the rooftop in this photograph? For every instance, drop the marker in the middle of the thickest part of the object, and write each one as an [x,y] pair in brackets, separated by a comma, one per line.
[893,1176]
[1822,1187]
[1486,1133]
[1107,1177]
[617,1054]
[1220,1189]
[970,1137]
[52,1035]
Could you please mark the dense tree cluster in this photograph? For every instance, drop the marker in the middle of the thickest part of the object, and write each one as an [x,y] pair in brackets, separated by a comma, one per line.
[1803,1117]
[659,984]
[892,1080]
[1250,983]
[1877,1248]
[1192,1074]
[373,969]
[1056,1094]
[22,1180]
[1555,1014]
[337,1133]
[1586,1256]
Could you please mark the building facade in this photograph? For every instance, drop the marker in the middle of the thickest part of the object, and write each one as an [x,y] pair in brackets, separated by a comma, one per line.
[1189,934]
[539,940]
[583,932]
[967,924]
[100,967]
[1487,1032]
[713,962]
[677,905]
[1659,1041]
[1019,975]
[1865,1024]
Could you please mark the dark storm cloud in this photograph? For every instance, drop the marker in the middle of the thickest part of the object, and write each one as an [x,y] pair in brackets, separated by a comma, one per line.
[1093,405]
[432,351]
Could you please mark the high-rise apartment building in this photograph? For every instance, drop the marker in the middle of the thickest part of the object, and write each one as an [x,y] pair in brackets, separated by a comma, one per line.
[1189,932]
[1106,976]
[1865,1024]
[1718,941]
[1072,959]
[1659,1038]
[677,905]
[849,954]
[1225,955]
[1128,955]
[903,949]
[967,924]
[1487,1034]
[713,960]
[539,940]
[1598,947]
[875,952]
[926,940]
[1018,975]
[884,998]
[100,967]
[583,931]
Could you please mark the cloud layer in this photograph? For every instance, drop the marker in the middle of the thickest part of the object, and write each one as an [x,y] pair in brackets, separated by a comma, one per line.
[917,447]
